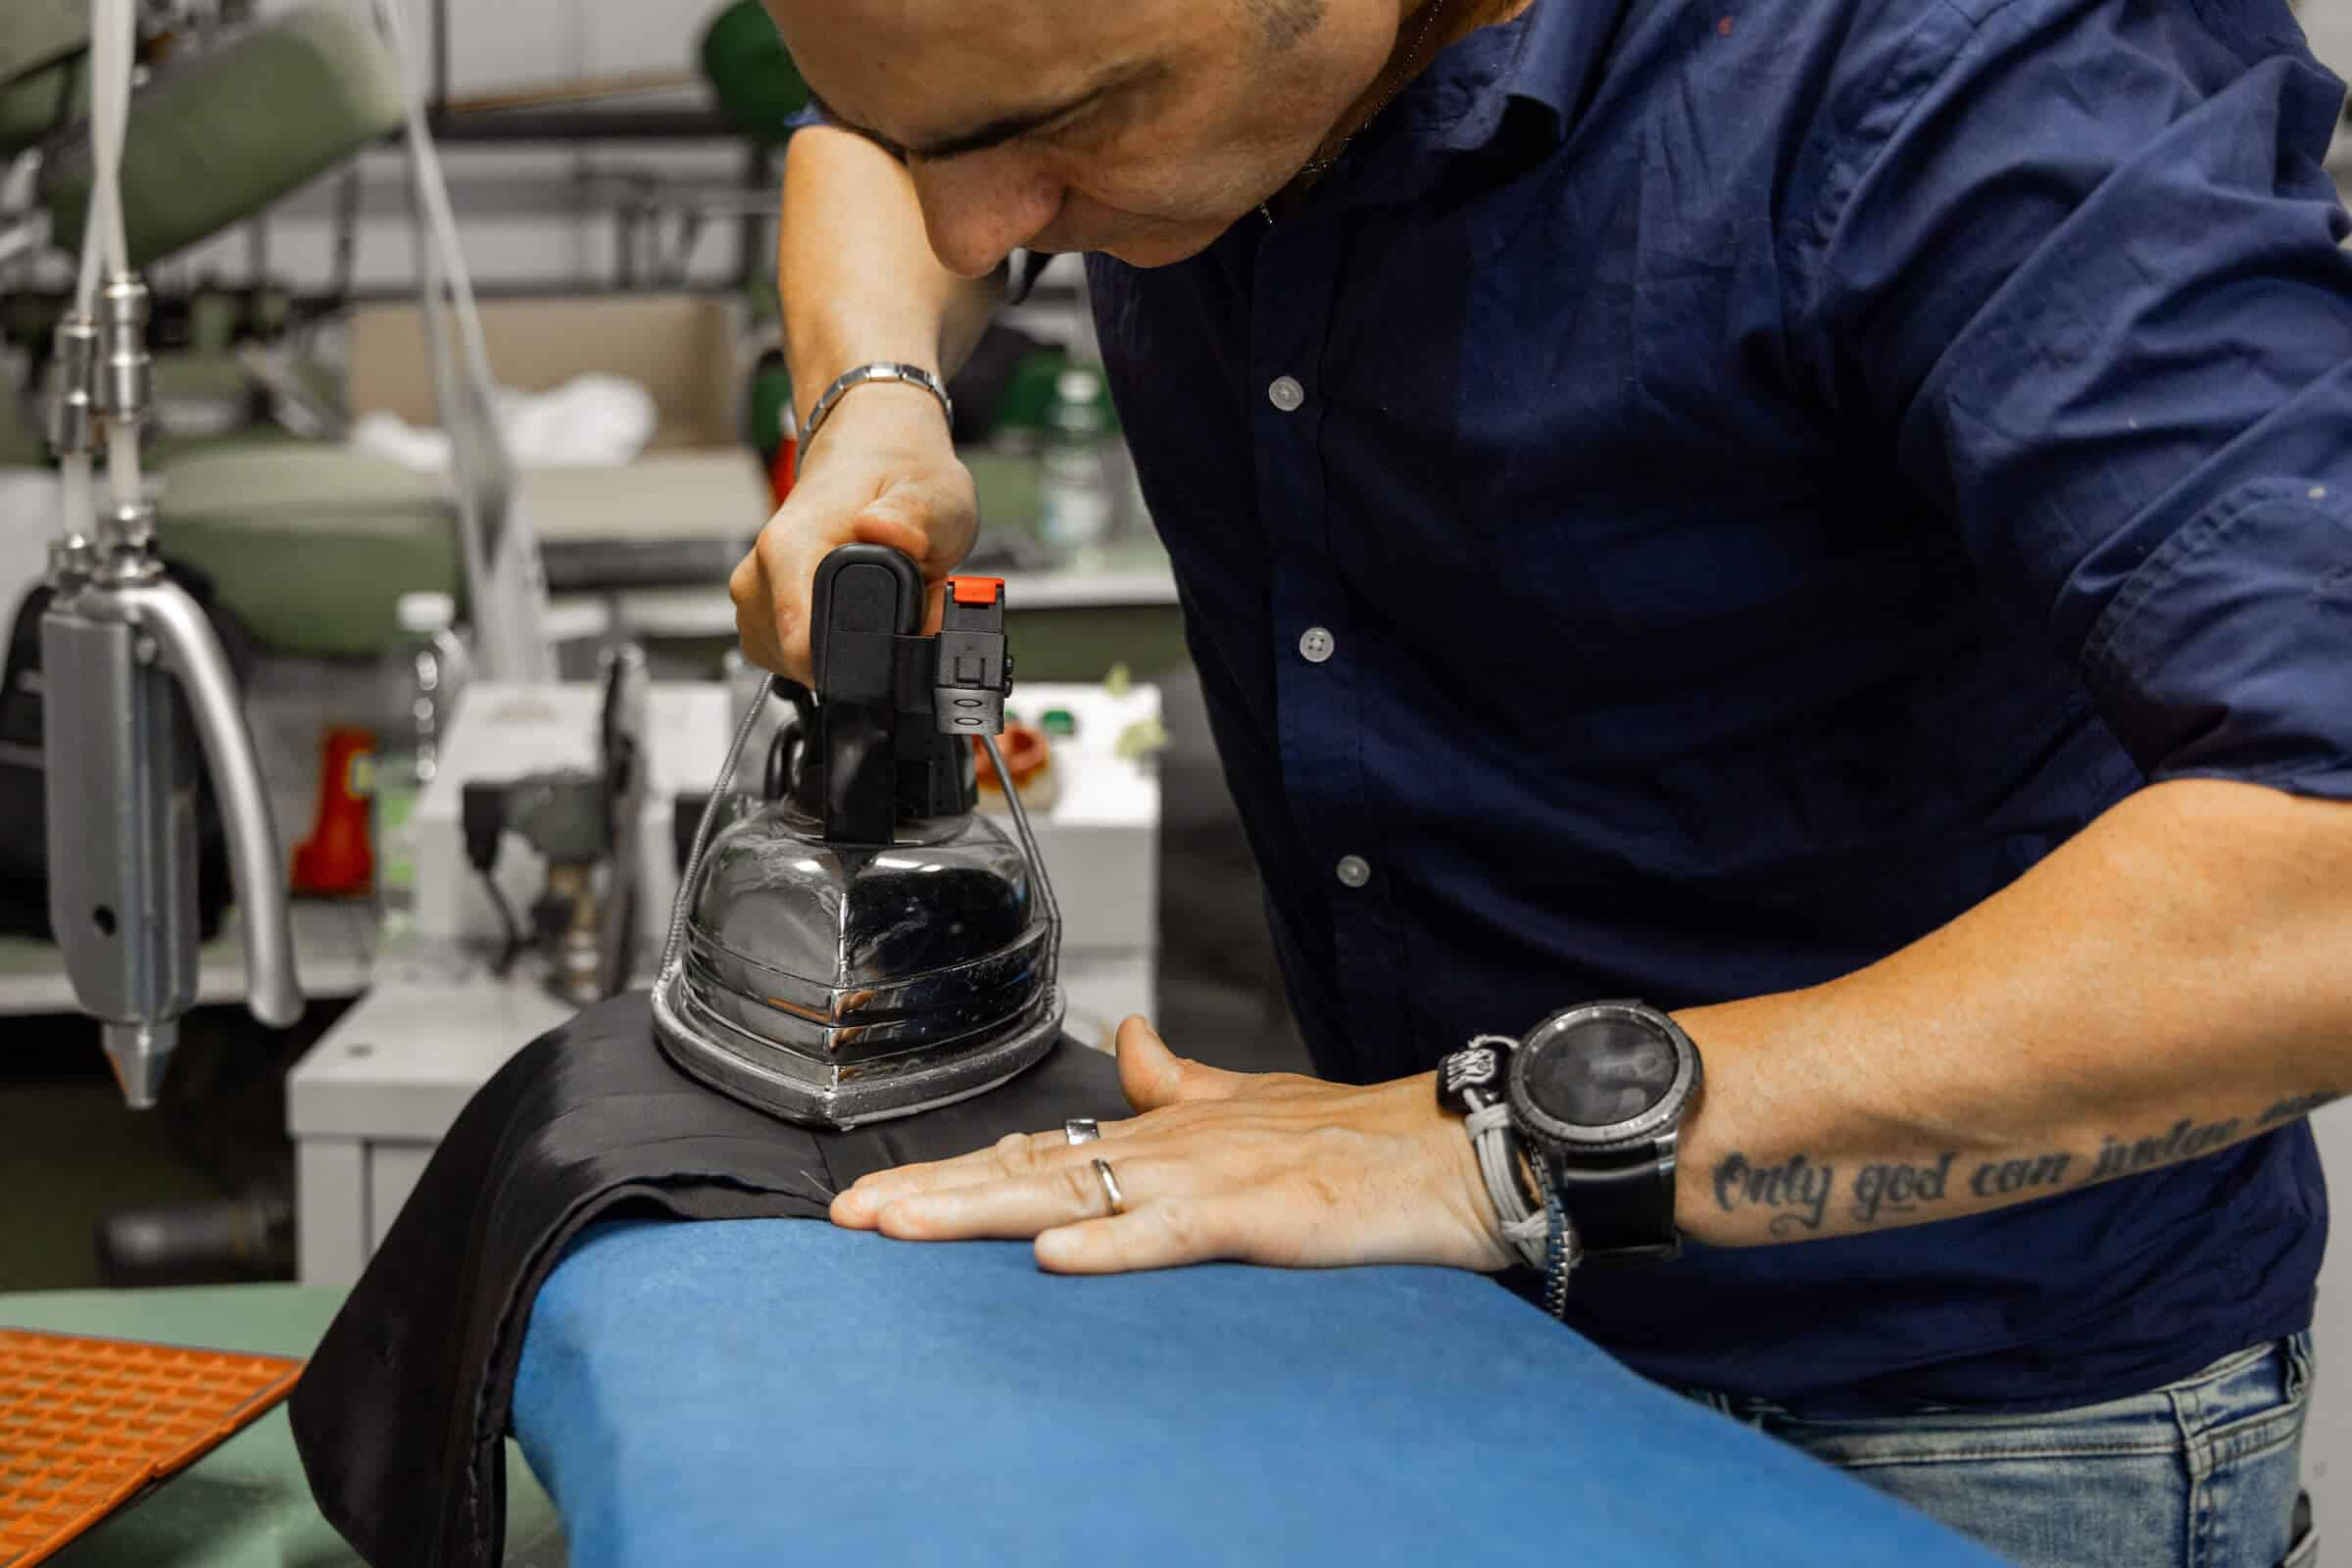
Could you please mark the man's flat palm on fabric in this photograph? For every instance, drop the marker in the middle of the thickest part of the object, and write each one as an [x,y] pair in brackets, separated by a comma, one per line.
[1269,1168]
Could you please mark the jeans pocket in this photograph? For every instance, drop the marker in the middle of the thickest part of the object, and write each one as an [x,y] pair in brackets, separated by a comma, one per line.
[2253,1409]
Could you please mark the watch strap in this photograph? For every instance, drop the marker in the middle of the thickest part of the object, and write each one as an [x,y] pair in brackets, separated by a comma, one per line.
[1561,1254]
[1622,1211]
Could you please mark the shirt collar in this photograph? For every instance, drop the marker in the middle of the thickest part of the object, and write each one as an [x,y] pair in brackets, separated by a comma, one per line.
[1548,56]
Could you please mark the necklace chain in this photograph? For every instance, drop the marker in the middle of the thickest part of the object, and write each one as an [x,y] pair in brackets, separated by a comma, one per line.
[1315,168]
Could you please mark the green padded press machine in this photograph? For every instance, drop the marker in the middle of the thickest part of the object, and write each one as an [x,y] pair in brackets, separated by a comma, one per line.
[313,543]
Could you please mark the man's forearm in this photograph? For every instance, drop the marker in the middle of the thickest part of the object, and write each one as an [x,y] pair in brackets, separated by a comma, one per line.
[2172,982]
[859,280]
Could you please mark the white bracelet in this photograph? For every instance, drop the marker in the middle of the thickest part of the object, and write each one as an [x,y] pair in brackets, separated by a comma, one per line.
[881,370]
[1524,1226]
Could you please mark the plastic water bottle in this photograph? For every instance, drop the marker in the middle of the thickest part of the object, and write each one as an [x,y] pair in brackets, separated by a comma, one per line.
[1079,491]
[423,673]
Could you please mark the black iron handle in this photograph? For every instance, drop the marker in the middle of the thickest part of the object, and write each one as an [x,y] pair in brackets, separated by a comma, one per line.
[865,599]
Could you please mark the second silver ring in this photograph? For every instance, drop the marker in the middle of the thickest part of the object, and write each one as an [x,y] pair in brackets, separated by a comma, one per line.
[1110,1187]
[1081,1130]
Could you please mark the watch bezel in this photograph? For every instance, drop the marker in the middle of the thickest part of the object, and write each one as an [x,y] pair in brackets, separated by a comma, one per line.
[1660,1120]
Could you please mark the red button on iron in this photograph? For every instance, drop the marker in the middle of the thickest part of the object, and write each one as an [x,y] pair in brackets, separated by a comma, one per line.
[981,591]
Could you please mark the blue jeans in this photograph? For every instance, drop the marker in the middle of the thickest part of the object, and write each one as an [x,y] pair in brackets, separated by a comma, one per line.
[2200,1474]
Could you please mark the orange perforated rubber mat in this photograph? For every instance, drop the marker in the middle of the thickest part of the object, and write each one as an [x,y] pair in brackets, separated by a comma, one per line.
[85,1425]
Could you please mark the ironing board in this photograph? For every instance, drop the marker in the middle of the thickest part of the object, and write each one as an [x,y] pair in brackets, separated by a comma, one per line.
[777,1392]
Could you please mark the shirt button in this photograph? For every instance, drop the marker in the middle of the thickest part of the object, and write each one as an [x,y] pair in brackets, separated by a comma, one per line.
[1316,646]
[1288,395]
[1354,871]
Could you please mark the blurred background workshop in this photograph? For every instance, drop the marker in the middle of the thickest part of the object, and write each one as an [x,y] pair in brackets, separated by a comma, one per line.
[462,396]
[606,190]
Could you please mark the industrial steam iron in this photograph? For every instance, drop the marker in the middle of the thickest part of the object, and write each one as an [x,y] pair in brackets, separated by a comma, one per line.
[852,942]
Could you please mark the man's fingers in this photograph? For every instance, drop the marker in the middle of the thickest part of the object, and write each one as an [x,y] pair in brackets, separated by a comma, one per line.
[1167,1233]
[897,523]
[1017,1209]
[1153,1076]
[755,617]
[776,620]
[1015,1155]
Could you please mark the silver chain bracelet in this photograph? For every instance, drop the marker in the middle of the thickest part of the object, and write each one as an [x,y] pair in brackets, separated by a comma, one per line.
[880,371]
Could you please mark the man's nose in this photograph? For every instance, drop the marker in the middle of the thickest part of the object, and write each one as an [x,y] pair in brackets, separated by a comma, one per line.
[979,209]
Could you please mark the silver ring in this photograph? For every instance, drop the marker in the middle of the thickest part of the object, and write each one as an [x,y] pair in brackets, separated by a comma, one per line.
[1110,1187]
[1081,1130]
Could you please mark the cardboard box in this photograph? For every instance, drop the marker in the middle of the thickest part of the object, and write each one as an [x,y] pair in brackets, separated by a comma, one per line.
[686,349]
[698,477]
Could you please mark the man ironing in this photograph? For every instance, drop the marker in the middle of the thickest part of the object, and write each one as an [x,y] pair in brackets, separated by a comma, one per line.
[1832,519]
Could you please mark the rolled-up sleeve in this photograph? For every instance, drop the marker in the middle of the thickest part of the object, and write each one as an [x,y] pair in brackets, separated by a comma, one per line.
[2081,262]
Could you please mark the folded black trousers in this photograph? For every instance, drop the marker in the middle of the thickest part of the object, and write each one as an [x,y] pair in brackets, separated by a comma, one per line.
[402,1415]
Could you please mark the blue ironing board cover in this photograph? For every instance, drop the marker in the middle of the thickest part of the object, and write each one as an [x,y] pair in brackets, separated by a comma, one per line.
[782,1392]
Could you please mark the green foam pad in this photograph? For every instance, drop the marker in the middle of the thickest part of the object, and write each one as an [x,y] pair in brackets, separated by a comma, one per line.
[219,137]
[313,545]
[33,107]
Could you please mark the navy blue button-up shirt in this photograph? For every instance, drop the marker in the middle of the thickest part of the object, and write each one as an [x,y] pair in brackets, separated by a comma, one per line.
[1706,494]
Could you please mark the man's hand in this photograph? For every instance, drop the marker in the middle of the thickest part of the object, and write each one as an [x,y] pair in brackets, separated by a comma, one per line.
[1275,1169]
[885,472]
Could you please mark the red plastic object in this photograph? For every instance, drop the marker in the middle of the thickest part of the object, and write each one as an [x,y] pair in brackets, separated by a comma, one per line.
[336,861]
[86,1424]
[982,591]
[1028,757]
[782,469]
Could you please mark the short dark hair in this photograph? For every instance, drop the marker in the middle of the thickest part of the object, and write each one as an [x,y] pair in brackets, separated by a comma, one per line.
[1284,22]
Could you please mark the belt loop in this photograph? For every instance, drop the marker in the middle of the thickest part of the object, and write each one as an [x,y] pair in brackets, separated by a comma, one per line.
[2188,1423]
[2300,1364]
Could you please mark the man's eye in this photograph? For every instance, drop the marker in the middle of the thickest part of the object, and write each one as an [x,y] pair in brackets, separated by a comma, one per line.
[1087,125]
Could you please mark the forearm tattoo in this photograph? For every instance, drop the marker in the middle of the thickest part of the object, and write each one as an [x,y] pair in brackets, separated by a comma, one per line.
[1802,1196]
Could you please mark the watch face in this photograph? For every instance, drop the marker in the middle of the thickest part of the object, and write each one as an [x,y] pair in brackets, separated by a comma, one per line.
[1601,1071]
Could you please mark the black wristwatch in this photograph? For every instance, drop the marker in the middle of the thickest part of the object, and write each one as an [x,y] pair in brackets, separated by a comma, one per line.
[1597,1096]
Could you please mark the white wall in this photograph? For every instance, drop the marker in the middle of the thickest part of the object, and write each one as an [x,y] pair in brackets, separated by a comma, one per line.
[2328,1439]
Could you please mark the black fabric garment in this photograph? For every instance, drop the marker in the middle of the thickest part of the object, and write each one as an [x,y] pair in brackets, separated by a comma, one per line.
[401,1417]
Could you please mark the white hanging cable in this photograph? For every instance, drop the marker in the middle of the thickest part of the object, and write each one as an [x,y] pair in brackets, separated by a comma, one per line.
[504,578]
[104,250]
[442,267]
[113,129]
[121,435]
[439,216]
[104,247]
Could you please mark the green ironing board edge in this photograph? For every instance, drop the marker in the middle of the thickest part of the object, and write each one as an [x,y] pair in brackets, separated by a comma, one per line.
[313,544]
[217,138]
